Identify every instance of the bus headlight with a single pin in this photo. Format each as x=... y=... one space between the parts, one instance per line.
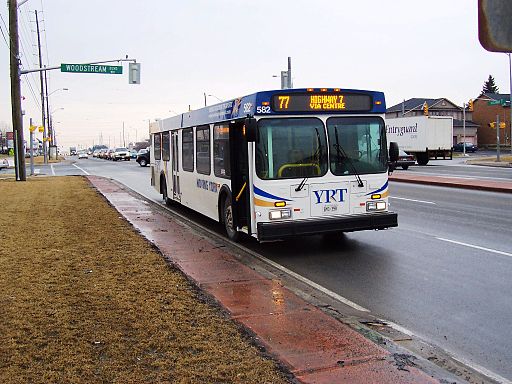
x=376 y=206
x=280 y=214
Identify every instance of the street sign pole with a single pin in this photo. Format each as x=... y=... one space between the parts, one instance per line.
x=498 y=138
x=31 y=148
x=510 y=100
x=464 y=129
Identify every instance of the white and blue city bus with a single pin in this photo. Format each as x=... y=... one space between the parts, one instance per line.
x=279 y=163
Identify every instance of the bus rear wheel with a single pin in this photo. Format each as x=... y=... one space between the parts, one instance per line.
x=231 y=231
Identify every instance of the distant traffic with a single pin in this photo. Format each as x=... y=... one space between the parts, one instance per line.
x=115 y=154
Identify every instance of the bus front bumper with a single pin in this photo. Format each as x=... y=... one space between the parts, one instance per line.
x=279 y=230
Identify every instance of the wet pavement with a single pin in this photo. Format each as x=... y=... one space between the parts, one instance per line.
x=314 y=346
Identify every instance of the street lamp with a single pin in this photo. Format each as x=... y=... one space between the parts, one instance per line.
x=59 y=89
x=51 y=134
x=55 y=110
x=50 y=121
x=216 y=98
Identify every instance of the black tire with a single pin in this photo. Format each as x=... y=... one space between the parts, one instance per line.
x=405 y=167
x=143 y=162
x=422 y=158
x=227 y=216
x=334 y=237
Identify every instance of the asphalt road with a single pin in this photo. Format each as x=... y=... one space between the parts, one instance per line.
x=444 y=273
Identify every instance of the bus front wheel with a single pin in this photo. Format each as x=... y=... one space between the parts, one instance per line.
x=231 y=231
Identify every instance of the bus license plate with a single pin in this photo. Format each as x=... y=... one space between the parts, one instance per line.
x=330 y=208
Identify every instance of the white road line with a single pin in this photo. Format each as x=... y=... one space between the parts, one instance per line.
x=415 y=201
x=475 y=246
x=312 y=284
x=53 y=170
x=483 y=371
x=83 y=170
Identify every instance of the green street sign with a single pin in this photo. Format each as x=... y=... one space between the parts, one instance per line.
x=494 y=102
x=92 y=68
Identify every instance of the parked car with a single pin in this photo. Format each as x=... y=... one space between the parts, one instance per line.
x=83 y=155
x=133 y=154
x=121 y=154
x=405 y=160
x=143 y=157
x=470 y=147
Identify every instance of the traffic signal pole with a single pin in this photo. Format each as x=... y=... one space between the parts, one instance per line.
x=464 y=129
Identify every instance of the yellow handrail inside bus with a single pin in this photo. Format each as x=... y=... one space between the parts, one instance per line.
x=285 y=167
x=241 y=191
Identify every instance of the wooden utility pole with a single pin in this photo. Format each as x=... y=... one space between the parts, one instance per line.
x=17 y=119
x=43 y=110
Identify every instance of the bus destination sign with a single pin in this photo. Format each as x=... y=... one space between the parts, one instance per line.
x=309 y=102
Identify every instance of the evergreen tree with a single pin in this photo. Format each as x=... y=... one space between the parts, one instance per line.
x=490 y=86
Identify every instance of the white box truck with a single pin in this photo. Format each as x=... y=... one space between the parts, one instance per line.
x=425 y=137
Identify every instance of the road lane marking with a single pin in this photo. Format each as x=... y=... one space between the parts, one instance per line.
x=413 y=200
x=475 y=246
x=53 y=170
x=83 y=170
x=482 y=370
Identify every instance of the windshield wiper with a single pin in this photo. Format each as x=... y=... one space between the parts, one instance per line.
x=301 y=185
x=341 y=151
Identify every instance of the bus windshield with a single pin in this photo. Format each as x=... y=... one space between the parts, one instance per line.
x=357 y=145
x=291 y=148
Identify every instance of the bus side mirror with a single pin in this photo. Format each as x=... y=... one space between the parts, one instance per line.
x=393 y=152
x=250 y=129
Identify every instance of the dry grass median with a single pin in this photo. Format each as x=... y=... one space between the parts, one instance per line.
x=85 y=299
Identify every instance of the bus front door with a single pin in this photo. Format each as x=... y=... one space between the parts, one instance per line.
x=176 y=195
x=240 y=187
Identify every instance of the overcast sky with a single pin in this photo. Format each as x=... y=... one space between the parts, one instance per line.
x=228 y=48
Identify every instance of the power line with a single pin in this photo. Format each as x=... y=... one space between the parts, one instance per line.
x=7 y=29
x=5 y=39
x=27 y=36
x=31 y=89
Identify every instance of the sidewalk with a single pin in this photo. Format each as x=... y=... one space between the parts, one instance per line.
x=314 y=346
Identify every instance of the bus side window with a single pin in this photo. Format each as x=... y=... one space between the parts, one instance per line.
x=187 y=149
x=166 y=146
x=157 y=138
x=203 y=149
x=221 y=157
